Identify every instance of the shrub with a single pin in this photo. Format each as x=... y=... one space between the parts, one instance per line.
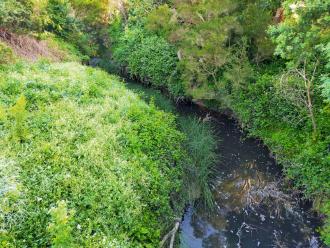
x=69 y=27
x=201 y=146
x=15 y=14
x=326 y=229
x=19 y=114
x=60 y=21
x=60 y=227
x=149 y=58
x=6 y=54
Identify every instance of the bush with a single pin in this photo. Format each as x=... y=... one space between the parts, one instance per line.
x=201 y=146
x=69 y=27
x=15 y=14
x=93 y=147
x=60 y=227
x=60 y=21
x=149 y=58
x=6 y=54
x=326 y=229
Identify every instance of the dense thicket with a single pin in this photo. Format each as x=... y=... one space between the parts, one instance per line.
x=267 y=61
x=81 y=22
x=84 y=162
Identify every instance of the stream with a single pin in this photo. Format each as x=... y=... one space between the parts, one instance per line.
x=252 y=207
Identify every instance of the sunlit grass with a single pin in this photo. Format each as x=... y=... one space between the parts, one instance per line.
x=83 y=153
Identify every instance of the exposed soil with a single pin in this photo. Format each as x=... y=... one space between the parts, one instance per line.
x=30 y=48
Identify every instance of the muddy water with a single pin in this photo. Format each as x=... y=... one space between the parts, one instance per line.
x=252 y=207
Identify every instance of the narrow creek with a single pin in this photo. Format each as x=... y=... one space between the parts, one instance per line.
x=252 y=207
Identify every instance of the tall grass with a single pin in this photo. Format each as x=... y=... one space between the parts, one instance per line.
x=201 y=145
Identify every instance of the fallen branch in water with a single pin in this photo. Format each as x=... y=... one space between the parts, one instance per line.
x=239 y=232
x=170 y=234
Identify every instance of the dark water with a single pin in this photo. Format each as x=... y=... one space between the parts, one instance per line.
x=252 y=207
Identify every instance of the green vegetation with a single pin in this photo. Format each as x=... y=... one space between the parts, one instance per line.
x=85 y=162
x=267 y=61
x=6 y=54
x=200 y=145
x=150 y=58
x=68 y=51
x=80 y=22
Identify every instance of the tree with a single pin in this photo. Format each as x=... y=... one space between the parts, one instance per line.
x=92 y=11
x=297 y=85
x=202 y=32
x=300 y=39
x=255 y=19
x=60 y=21
x=15 y=15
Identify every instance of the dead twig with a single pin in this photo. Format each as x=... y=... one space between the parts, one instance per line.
x=170 y=235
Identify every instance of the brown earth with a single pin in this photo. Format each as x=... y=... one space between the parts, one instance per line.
x=30 y=48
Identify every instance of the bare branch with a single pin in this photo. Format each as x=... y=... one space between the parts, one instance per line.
x=170 y=234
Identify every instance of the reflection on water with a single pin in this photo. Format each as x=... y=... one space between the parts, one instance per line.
x=251 y=208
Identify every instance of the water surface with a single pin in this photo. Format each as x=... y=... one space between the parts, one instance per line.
x=252 y=206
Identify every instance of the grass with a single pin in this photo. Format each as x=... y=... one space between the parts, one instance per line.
x=6 y=54
x=200 y=144
x=150 y=94
x=69 y=51
x=84 y=162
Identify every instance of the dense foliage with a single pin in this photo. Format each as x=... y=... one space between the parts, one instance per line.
x=83 y=23
x=85 y=162
x=268 y=61
x=15 y=15
x=149 y=58
x=6 y=54
x=200 y=144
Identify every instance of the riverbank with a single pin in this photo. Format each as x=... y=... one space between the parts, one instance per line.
x=219 y=54
x=253 y=204
x=36 y=97
x=264 y=114
x=85 y=161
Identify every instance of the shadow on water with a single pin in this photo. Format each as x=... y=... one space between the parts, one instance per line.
x=253 y=207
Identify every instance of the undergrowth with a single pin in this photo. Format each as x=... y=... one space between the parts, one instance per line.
x=84 y=161
x=69 y=51
x=200 y=144
x=6 y=54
